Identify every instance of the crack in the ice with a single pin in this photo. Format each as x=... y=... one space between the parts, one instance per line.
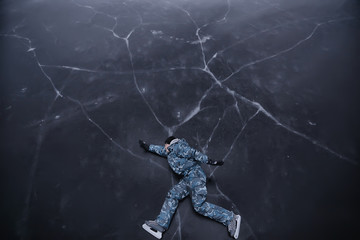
x=133 y=72
x=284 y=50
x=259 y=107
x=259 y=32
x=34 y=165
x=304 y=136
x=32 y=50
x=155 y=70
x=224 y=19
x=107 y=135
x=238 y=135
x=205 y=147
x=67 y=114
x=58 y=94
x=95 y=11
x=138 y=88
x=196 y=33
x=235 y=140
x=191 y=113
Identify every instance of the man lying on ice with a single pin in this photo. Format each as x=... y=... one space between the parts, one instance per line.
x=186 y=162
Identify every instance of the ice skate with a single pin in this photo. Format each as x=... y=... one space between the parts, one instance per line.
x=234 y=226
x=153 y=228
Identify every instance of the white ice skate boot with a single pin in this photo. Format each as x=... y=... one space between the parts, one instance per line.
x=234 y=226
x=153 y=228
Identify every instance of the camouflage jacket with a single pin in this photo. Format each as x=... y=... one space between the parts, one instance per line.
x=181 y=157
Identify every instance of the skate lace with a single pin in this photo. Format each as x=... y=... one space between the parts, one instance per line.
x=232 y=225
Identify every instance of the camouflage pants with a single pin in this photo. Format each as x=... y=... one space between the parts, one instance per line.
x=195 y=184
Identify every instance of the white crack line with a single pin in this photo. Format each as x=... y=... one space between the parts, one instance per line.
x=235 y=140
x=258 y=33
x=33 y=168
x=285 y=50
x=313 y=141
x=205 y=147
x=32 y=50
x=58 y=94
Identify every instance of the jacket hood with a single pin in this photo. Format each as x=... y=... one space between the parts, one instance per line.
x=179 y=141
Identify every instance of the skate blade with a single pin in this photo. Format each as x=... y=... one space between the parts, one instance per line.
x=238 y=222
x=152 y=231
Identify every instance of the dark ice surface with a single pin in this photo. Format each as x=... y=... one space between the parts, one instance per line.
x=269 y=86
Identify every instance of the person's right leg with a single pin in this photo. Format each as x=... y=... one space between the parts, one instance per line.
x=176 y=193
x=198 y=197
x=226 y=217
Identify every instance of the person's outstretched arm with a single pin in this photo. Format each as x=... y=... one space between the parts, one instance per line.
x=199 y=156
x=158 y=149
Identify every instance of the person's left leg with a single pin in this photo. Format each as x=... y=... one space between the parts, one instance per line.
x=198 y=197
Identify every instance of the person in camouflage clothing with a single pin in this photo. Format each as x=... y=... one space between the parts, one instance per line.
x=186 y=161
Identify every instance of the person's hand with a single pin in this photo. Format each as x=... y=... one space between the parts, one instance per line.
x=216 y=163
x=144 y=145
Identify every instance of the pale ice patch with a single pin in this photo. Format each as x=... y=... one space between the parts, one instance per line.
x=312 y=123
x=156 y=33
x=202 y=40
